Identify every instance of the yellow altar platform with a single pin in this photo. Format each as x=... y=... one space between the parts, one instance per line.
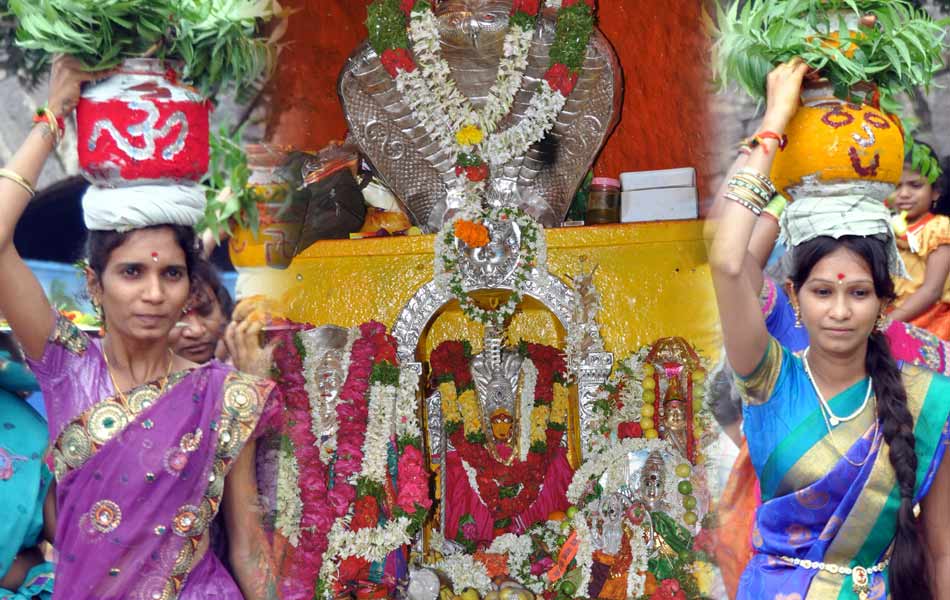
x=653 y=279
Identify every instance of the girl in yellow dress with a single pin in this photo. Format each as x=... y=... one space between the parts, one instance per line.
x=924 y=299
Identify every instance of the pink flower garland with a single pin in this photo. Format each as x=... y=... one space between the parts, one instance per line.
x=323 y=504
x=303 y=563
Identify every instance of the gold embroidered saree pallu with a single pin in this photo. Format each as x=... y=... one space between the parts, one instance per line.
x=838 y=510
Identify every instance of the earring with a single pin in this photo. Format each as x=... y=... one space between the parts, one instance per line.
x=881 y=323
x=798 y=316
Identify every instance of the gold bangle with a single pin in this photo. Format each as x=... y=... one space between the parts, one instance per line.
x=765 y=181
x=747 y=194
x=52 y=122
x=19 y=180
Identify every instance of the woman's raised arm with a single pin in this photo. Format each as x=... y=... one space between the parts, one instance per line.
x=743 y=326
x=22 y=300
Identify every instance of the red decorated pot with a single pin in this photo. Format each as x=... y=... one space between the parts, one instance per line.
x=142 y=126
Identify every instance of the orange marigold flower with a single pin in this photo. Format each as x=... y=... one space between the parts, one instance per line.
x=475 y=235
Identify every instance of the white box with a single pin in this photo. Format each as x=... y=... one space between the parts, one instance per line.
x=667 y=195
x=666 y=178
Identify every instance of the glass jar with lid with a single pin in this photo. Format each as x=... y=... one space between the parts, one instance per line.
x=603 y=204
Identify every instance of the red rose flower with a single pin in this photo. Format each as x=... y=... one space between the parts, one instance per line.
x=669 y=589
x=561 y=79
x=353 y=569
x=477 y=173
x=406 y=6
x=630 y=429
x=385 y=351
x=398 y=59
x=529 y=7
x=366 y=513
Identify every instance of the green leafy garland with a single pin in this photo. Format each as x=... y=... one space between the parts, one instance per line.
x=218 y=41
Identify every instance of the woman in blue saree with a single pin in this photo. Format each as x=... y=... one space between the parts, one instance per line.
x=25 y=482
x=845 y=442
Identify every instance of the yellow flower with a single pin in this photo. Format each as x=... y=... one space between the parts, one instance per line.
x=468 y=404
x=470 y=135
x=559 y=406
x=705 y=577
x=450 y=407
x=539 y=423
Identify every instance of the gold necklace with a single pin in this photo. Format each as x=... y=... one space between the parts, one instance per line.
x=115 y=384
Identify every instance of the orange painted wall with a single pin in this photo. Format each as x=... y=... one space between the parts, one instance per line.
x=661 y=45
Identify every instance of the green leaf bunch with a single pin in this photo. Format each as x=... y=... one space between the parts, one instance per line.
x=228 y=169
x=900 y=52
x=386 y=24
x=575 y=24
x=922 y=160
x=218 y=41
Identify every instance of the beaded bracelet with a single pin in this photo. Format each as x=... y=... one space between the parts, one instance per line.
x=745 y=203
x=752 y=185
x=765 y=181
x=755 y=197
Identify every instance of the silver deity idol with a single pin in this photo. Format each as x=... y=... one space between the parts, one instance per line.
x=544 y=179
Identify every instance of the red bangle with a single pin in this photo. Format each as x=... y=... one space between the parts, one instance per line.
x=771 y=135
x=42 y=116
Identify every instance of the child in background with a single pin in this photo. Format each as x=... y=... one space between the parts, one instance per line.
x=924 y=299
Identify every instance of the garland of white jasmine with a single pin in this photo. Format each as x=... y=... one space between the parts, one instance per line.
x=426 y=45
x=612 y=461
x=390 y=409
x=448 y=117
x=448 y=272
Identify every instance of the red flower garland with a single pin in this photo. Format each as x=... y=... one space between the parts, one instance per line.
x=323 y=503
x=450 y=361
x=303 y=563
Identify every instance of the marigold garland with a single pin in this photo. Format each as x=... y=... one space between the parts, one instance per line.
x=475 y=235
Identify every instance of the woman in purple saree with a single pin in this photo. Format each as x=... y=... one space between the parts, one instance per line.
x=147 y=446
x=845 y=442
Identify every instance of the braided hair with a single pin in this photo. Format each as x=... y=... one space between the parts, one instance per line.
x=907 y=579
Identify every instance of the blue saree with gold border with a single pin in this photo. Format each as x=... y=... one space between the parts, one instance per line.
x=828 y=496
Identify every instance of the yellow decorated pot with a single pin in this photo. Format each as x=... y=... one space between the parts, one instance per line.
x=839 y=147
x=279 y=225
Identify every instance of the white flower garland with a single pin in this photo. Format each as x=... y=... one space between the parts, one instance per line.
x=539 y=118
x=472 y=480
x=378 y=433
x=319 y=426
x=448 y=274
x=407 y=419
x=442 y=110
x=389 y=406
x=612 y=462
x=426 y=42
x=518 y=548
x=289 y=504
x=585 y=551
x=369 y=544
x=529 y=383
x=465 y=572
